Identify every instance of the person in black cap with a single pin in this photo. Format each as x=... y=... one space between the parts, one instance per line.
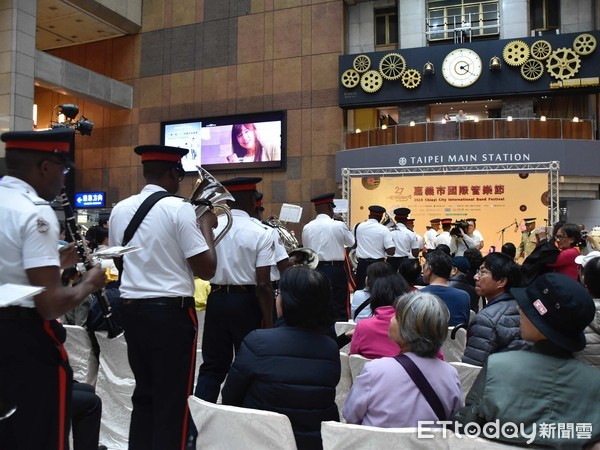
x=545 y=385
x=329 y=238
x=373 y=242
x=241 y=297
x=405 y=241
x=157 y=288
x=32 y=353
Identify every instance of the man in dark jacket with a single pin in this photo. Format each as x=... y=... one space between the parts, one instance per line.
x=496 y=327
x=458 y=279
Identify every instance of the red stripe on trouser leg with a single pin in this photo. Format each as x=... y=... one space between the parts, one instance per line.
x=192 y=372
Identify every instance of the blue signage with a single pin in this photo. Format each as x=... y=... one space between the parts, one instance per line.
x=90 y=199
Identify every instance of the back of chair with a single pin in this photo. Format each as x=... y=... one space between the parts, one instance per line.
x=467 y=373
x=357 y=362
x=222 y=427
x=82 y=358
x=338 y=436
x=453 y=349
x=343 y=387
x=115 y=387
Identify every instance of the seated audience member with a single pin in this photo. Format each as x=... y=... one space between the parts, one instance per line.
x=443 y=248
x=545 y=385
x=567 y=238
x=496 y=327
x=384 y=395
x=589 y=274
x=360 y=308
x=436 y=273
x=544 y=253
x=474 y=257
x=86 y=412
x=370 y=337
x=293 y=368
x=410 y=269
x=458 y=280
x=509 y=249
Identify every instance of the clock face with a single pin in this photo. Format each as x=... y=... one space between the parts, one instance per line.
x=461 y=67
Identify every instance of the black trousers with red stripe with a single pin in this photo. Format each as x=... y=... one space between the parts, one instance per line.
x=36 y=377
x=161 y=347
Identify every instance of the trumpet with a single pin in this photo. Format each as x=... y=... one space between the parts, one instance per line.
x=208 y=195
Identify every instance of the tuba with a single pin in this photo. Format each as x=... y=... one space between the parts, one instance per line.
x=208 y=194
x=388 y=222
x=303 y=256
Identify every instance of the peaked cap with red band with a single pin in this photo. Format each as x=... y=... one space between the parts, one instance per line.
x=401 y=213
x=446 y=221
x=241 y=184
x=376 y=210
x=323 y=199
x=55 y=141
x=160 y=153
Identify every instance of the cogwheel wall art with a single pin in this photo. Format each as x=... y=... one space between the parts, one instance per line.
x=584 y=44
x=563 y=63
x=411 y=78
x=532 y=70
x=516 y=53
x=392 y=66
x=361 y=63
x=350 y=78
x=371 y=81
x=540 y=50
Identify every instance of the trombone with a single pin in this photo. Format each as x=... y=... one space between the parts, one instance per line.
x=209 y=195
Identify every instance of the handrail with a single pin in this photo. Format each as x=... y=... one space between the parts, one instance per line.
x=499 y=128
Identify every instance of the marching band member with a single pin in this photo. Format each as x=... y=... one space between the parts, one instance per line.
x=35 y=375
x=329 y=238
x=431 y=234
x=157 y=287
x=404 y=240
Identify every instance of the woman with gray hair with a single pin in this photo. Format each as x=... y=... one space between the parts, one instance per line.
x=415 y=385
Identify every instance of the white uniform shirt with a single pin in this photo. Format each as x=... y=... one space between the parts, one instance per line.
x=28 y=234
x=419 y=243
x=478 y=234
x=168 y=236
x=430 y=237
x=327 y=237
x=443 y=238
x=280 y=253
x=372 y=238
x=404 y=241
x=246 y=246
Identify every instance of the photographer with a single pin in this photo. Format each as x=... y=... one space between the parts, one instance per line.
x=460 y=240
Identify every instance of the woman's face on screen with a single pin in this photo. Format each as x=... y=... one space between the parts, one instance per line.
x=246 y=138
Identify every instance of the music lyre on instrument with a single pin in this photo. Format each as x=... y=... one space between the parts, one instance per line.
x=208 y=194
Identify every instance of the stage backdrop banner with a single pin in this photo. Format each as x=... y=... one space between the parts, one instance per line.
x=497 y=201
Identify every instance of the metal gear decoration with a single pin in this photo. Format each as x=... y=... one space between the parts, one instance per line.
x=350 y=78
x=411 y=79
x=361 y=63
x=515 y=53
x=392 y=66
x=541 y=49
x=584 y=44
x=532 y=70
x=563 y=63
x=371 y=81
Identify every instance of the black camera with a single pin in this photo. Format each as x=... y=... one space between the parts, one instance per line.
x=458 y=226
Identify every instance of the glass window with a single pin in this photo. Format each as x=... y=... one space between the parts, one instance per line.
x=386 y=26
x=545 y=15
x=445 y=18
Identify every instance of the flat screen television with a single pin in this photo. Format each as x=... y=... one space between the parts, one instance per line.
x=240 y=142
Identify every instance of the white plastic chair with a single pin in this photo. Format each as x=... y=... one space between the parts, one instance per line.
x=467 y=373
x=357 y=362
x=343 y=387
x=81 y=356
x=222 y=427
x=337 y=436
x=115 y=387
x=454 y=348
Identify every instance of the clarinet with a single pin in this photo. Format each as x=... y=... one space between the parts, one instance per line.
x=73 y=230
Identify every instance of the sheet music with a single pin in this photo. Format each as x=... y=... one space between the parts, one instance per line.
x=341 y=205
x=12 y=293
x=290 y=213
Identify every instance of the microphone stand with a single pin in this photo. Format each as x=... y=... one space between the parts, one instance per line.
x=501 y=232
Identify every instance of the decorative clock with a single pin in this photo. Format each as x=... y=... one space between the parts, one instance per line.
x=461 y=67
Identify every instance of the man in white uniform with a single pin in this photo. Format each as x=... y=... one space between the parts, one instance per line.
x=241 y=297
x=157 y=287
x=431 y=234
x=410 y=224
x=373 y=242
x=35 y=375
x=329 y=238
x=405 y=241
x=444 y=237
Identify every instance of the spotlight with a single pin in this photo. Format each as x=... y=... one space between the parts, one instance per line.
x=84 y=126
x=495 y=64
x=69 y=110
x=543 y=118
